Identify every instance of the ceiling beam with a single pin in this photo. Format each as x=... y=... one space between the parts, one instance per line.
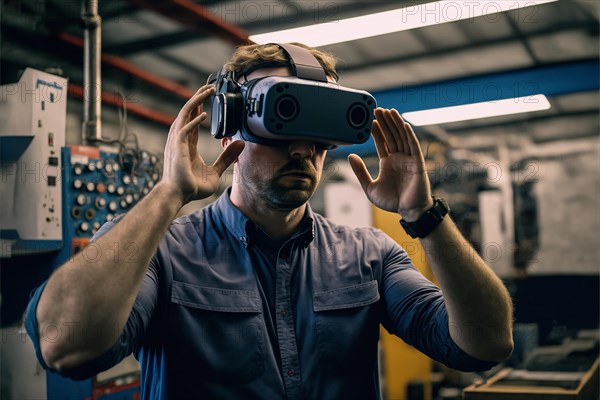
x=552 y=79
x=68 y=12
x=524 y=39
x=152 y=43
x=62 y=16
x=196 y=17
x=277 y=17
x=133 y=70
x=480 y=44
x=72 y=49
x=116 y=12
x=138 y=109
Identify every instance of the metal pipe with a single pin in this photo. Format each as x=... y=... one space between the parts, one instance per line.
x=92 y=100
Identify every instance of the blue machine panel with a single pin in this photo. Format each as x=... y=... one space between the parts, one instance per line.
x=97 y=186
x=100 y=185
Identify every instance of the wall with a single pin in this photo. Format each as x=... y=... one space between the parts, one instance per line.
x=569 y=218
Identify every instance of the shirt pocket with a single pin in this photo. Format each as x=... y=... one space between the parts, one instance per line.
x=218 y=332
x=347 y=325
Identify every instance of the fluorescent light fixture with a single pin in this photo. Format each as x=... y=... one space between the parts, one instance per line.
x=486 y=109
x=402 y=19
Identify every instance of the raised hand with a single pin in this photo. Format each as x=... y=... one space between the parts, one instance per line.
x=402 y=185
x=184 y=169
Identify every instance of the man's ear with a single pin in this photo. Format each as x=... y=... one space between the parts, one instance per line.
x=226 y=141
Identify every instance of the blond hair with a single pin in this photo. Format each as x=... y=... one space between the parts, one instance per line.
x=247 y=57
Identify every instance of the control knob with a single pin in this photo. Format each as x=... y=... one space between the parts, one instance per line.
x=100 y=202
x=80 y=199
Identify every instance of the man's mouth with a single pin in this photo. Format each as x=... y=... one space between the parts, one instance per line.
x=298 y=175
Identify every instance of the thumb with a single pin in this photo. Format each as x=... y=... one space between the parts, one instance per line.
x=360 y=170
x=228 y=156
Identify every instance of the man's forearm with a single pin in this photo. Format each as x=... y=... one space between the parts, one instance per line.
x=478 y=304
x=96 y=293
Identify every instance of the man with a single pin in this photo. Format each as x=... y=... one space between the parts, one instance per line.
x=256 y=296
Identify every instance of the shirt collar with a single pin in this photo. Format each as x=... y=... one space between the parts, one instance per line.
x=241 y=227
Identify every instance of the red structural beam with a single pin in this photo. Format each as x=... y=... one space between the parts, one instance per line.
x=196 y=17
x=126 y=66
x=132 y=108
x=184 y=11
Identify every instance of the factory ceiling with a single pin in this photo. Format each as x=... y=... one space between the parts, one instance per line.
x=163 y=50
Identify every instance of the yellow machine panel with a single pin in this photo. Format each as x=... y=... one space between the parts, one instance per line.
x=402 y=363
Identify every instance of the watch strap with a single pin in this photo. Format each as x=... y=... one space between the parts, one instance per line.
x=428 y=221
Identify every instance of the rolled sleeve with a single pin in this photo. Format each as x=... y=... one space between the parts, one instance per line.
x=31 y=324
x=84 y=371
x=450 y=353
x=415 y=311
x=130 y=338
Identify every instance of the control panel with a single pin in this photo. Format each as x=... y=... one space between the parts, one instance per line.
x=99 y=185
x=32 y=131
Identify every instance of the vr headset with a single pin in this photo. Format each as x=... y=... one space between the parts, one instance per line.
x=305 y=106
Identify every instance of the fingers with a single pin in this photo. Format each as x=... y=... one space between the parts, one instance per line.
x=395 y=134
x=401 y=126
x=228 y=156
x=185 y=115
x=193 y=105
x=394 y=130
x=412 y=141
x=191 y=127
x=196 y=100
x=382 y=150
x=360 y=170
x=387 y=130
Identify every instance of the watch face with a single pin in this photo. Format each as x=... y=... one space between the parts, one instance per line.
x=443 y=204
x=441 y=207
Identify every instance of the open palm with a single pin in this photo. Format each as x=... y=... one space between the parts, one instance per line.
x=184 y=168
x=402 y=184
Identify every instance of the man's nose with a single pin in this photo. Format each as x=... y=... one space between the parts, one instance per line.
x=301 y=149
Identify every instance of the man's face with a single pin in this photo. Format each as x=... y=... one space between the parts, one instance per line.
x=285 y=176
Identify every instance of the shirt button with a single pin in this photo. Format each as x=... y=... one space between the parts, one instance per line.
x=291 y=372
x=283 y=313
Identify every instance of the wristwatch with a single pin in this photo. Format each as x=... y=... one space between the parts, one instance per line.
x=428 y=221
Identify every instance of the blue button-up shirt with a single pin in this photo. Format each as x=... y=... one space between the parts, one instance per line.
x=225 y=313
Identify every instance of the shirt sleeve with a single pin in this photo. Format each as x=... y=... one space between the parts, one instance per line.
x=415 y=312
x=130 y=339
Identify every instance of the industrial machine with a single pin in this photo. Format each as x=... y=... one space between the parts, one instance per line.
x=32 y=132
x=54 y=199
x=100 y=184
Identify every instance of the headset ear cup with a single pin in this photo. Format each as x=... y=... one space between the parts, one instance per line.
x=226 y=114
x=217 y=115
x=232 y=113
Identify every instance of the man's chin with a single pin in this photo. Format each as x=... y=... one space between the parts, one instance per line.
x=291 y=198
